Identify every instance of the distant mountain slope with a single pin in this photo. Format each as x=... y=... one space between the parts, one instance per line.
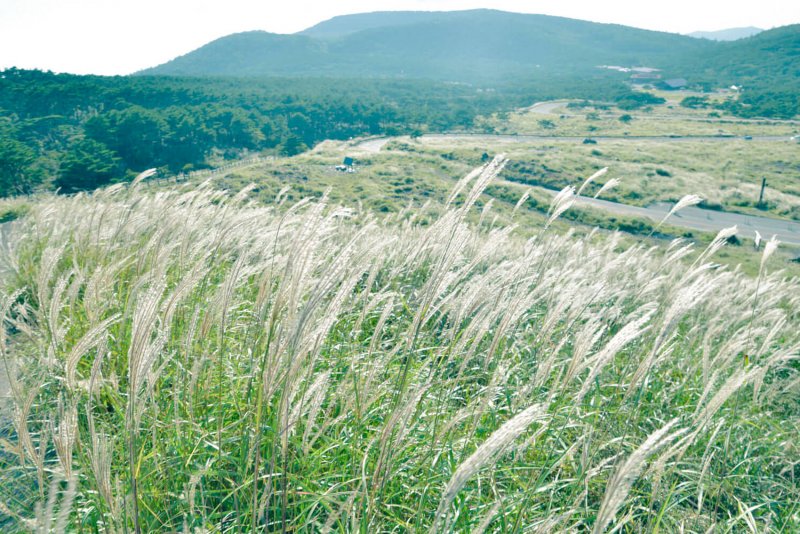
x=730 y=34
x=772 y=57
x=253 y=53
x=347 y=24
x=459 y=46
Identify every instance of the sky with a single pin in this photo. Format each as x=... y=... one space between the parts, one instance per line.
x=122 y=36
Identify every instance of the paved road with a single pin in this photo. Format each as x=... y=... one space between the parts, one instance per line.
x=546 y=108
x=373 y=145
x=376 y=145
x=656 y=138
x=787 y=232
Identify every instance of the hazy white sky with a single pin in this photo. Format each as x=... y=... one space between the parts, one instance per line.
x=122 y=36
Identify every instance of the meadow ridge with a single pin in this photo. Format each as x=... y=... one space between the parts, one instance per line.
x=190 y=359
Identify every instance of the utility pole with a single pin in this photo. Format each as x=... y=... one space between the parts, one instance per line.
x=761 y=196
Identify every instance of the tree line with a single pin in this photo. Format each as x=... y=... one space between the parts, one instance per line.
x=73 y=133
x=76 y=133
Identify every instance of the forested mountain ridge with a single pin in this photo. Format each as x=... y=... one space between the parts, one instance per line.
x=495 y=47
x=459 y=46
x=729 y=34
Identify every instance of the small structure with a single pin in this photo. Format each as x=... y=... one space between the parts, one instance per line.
x=646 y=76
x=675 y=83
x=348 y=165
x=644 y=69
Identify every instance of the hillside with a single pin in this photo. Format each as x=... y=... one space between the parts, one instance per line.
x=766 y=66
x=730 y=34
x=460 y=46
x=773 y=54
x=186 y=359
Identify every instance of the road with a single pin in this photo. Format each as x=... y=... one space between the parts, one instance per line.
x=550 y=108
x=376 y=145
x=693 y=218
x=788 y=232
x=546 y=108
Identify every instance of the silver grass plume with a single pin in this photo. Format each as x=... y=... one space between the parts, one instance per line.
x=522 y=200
x=64 y=436
x=685 y=202
x=142 y=177
x=490 y=449
x=90 y=339
x=487 y=173
x=717 y=243
x=626 y=474
x=614 y=182
x=769 y=249
x=144 y=348
x=561 y=203
x=462 y=183
x=626 y=334
x=591 y=179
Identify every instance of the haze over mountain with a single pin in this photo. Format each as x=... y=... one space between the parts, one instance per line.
x=730 y=34
x=459 y=46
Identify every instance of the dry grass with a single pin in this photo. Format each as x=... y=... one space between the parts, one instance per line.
x=186 y=359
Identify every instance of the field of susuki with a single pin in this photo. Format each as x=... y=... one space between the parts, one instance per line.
x=187 y=359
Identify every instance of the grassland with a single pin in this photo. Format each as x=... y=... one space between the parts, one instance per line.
x=670 y=118
x=195 y=359
x=412 y=173
x=283 y=346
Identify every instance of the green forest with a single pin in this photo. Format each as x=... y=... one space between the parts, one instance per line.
x=72 y=133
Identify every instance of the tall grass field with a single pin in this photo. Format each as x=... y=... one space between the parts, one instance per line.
x=192 y=361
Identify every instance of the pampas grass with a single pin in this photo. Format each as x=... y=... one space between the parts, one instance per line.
x=494 y=446
x=189 y=360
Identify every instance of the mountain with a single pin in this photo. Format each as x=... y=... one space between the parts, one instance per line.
x=255 y=53
x=456 y=46
x=771 y=57
x=730 y=34
x=347 y=24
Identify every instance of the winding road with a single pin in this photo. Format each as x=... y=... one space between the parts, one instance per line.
x=788 y=232
x=376 y=145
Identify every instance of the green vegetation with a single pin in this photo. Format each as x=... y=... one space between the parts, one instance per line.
x=192 y=360
x=273 y=344
x=496 y=48
x=84 y=131
x=656 y=154
x=476 y=46
x=80 y=132
x=765 y=66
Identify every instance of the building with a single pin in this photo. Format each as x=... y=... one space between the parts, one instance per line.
x=675 y=83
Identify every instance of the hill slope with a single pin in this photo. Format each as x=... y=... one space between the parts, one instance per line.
x=730 y=34
x=460 y=45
